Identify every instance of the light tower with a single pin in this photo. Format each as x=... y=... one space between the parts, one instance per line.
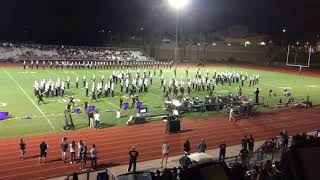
x=177 y=4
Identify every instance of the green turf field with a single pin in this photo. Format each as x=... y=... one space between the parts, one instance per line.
x=17 y=97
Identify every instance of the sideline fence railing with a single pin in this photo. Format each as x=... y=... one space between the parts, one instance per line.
x=262 y=153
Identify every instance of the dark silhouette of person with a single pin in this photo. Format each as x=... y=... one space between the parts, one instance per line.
x=133 y=159
x=222 y=152
x=186 y=147
x=257 y=95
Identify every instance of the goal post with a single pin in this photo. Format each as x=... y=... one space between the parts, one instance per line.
x=298 y=57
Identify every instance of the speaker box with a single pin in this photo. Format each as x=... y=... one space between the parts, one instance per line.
x=139 y=120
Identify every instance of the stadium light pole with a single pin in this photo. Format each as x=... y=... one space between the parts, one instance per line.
x=177 y=4
x=283 y=37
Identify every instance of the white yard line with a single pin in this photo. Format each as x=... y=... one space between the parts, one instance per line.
x=35 y=116
x=112 y=104
x=25 y=93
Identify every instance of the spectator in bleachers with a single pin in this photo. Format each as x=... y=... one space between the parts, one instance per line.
x=250 y=144
x=174 y=173
x=185 y=161
x=202 y=146
x=237 y=172
x=265 y=172
x=244 y=142
x=244 y=157
x=166 y=174
x=157 y=175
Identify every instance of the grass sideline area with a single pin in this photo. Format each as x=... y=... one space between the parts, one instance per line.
x=17 y=96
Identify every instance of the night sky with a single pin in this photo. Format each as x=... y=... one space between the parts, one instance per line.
x=63 y=21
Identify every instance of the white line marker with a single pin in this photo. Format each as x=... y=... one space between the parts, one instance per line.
x=313 y=86
x=25 y=93
x=285 y=87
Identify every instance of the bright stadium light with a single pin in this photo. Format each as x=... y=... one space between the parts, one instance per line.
x=178 y=4
x=247 y=43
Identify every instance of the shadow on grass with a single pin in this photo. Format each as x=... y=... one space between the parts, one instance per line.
x=80 y=126
x=105 y=125
x=10 y=116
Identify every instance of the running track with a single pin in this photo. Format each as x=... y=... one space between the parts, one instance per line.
x=114 y=143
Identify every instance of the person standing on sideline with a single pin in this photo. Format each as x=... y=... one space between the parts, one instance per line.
x=64 y=148
x=72 y=152
x=257 y=95
x=223 y=150
x=82 y=156
x=250 y=144
x=43 y=152
x=93 y=153
x=22 y=145
x=202 y=146
x=186 y=147
x=91 y=119
x=96 y=120
x=80 y=144
x=165 y=153
x=231 y=114
x=244 y=142
x=133 y=159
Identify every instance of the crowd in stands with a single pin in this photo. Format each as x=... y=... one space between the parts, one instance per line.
x=47 y=52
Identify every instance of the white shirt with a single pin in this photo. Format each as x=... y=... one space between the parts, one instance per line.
x=231 y=112
x=72 y=149
x=97 y=117
x=165 y=149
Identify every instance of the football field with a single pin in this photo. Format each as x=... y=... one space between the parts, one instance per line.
x=28 y=118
